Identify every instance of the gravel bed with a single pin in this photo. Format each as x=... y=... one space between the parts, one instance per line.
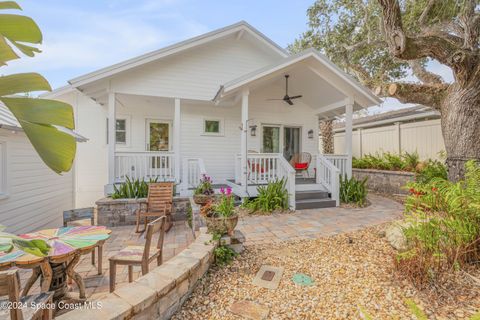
x=352 y=272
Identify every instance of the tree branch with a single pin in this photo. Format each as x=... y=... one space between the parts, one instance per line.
x=461 y=60
x=423 y=17
x=470 y=23
x=430 y=95
x=423 y=74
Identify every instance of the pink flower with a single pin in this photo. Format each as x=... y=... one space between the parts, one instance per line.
x=222 y=191
x=229 y=191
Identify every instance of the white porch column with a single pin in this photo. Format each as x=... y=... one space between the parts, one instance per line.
x=348 y=136
x=177 y=139
x=111 y=137
x=243 y=144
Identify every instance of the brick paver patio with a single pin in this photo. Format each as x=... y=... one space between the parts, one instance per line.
x=314 y=223
x=176 y=239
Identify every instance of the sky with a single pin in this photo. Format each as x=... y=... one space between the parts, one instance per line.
x=82 y=36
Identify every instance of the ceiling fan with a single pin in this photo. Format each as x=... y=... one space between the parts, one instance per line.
x=287 y=98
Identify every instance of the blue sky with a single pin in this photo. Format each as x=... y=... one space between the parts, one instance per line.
x=82 y=36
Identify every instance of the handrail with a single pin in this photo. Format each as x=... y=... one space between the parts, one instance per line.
x=289 y=174
x=120 y=153
x=144 y=165
x=338 y=160
x=329 y=176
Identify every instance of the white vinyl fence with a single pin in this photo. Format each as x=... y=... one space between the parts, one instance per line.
x=425 y=137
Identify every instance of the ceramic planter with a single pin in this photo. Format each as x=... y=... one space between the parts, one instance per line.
x=201 y=199
x=221 y=225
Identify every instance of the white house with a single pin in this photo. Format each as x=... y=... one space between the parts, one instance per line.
x=212 y=104
x=32 y=196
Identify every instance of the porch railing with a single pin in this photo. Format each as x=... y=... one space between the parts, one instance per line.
x=144 y=165
x=329 y=176
x=193 y=169
x=339 y=161
x=265 y=167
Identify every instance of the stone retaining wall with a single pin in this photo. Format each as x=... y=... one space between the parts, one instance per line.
x=158 y=294
x=383 y=181
x=121 y=212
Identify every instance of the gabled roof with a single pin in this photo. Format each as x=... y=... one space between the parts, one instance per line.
x=291 y=60
x=241 y=26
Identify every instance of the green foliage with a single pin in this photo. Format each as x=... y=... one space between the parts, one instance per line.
x=350 y=34
x=444 y=227
x=410 y=160
x=205 y=186
x=224 y=255
x=132 y=189
x=353 y=191
x=190 y=216
x=225 y=205
x=433 y=169
x=271 y=197
x=39 y=118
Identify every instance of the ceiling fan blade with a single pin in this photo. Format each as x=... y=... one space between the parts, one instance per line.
x=289 y=101
x=296 y=97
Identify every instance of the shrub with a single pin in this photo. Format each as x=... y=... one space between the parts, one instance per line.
x=444 y=227
x=432 y=169
x=132 y=189
x=225 y=205
x=353 y=191
x=224 y=255
x=411 y=160
x=271 y=197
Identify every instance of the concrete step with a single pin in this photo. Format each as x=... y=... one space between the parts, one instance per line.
x=311 y=194
x=314 y=203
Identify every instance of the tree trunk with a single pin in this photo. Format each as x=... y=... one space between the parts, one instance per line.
x=461 y=126
x=326 y=131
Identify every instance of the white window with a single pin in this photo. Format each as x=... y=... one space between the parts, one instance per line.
x=3 y=169
x=213 y=127
x=121 y=131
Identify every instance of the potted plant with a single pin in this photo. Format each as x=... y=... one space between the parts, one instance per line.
x=220 y=216
x=203 y=192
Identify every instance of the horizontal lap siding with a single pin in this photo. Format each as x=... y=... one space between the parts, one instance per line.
x=36 y=195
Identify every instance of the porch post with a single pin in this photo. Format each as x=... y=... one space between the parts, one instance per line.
x=111 y=137
x=177 y=139
x=348 y=136
x=243 y=144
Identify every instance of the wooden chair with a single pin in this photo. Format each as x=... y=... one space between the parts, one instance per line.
x=140 y=255
x=84 y=217
x=301 y=162
x=159 y=204
x=10 y=286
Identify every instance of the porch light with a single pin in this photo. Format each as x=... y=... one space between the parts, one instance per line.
x=253 y=130
x=310 y=134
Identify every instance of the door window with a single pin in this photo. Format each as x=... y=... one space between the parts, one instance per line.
x=159 y=136
x=271 y=139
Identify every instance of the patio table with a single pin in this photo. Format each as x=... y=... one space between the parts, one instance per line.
x=67 y=244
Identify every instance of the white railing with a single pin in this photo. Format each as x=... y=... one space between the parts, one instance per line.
x=265 y=167
x=193 y=169
x=339 y=161
x=329 y=176
x=144 y=165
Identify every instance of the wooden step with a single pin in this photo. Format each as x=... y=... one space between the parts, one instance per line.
x=314 y=203
x=311 y=194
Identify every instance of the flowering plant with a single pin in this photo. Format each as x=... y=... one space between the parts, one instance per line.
x=225 y=206
x=205 y=186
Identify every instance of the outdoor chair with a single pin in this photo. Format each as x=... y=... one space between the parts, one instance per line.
x=140 y=255
x=301 y=162
x=159 y=204
x=84 y=217
x=10 y=286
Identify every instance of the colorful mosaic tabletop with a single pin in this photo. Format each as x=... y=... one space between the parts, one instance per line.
x=66 y=240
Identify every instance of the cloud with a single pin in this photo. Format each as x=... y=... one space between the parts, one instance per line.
x=79 y=40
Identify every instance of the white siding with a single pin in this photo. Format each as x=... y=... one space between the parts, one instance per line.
x=197 y=73
x=425 y=137
x=36 y=195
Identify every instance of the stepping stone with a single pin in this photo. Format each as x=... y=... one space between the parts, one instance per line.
x=302 y=279
x=249 y=310
x=268 y=277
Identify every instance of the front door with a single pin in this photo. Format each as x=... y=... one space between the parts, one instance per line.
x=158 y=135
x=291 y=142
x=271 y=139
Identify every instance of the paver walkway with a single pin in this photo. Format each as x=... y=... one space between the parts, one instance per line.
x=314 y=223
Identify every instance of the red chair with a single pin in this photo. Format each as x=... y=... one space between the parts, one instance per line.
x=301 y=162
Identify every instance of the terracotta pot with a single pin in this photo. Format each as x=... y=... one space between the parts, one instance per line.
x=201 y=199
x=221 y=225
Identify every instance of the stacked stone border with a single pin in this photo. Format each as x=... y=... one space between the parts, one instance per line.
x=158 y=294
x=383 y=181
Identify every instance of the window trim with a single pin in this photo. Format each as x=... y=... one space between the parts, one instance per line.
x=4 y=169
x=221 y=127
x=126 y=143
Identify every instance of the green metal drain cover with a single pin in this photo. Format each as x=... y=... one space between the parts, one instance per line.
x=302 y=279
